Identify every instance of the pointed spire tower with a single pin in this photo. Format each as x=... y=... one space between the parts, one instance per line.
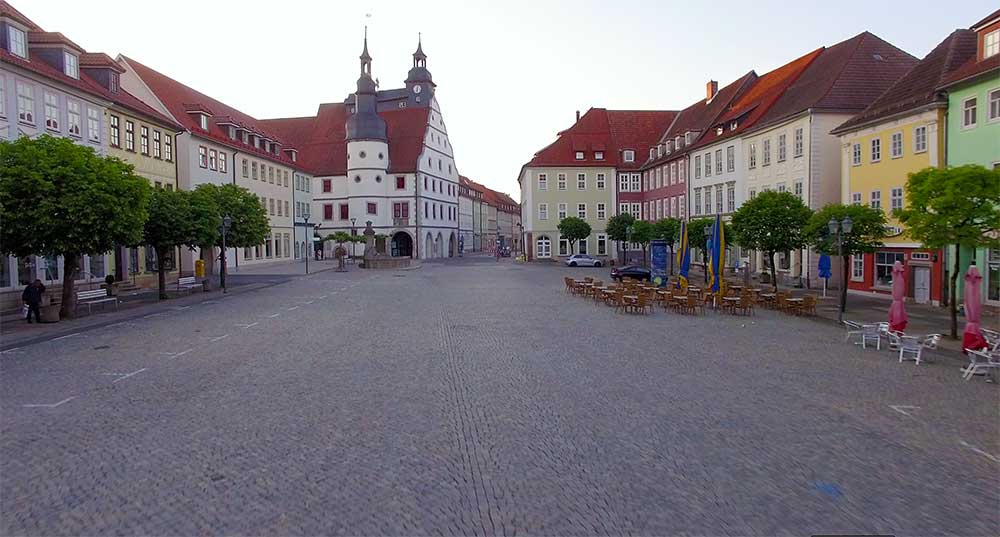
x=365 y=122
x=419 y=80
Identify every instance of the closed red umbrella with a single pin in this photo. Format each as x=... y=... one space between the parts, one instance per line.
x=973 y=338
x=897 y=312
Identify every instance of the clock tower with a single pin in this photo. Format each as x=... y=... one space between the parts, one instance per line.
x=419 y=84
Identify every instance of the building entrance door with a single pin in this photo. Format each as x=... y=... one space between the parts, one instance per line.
x=921 y=285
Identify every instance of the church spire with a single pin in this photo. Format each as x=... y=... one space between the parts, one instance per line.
x=366 y=59
x=419 y=58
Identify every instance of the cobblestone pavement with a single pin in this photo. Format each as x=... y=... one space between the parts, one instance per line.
x=476 y=398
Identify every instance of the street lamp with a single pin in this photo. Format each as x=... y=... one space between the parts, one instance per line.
x=628 y=235
x=708 y=248
x=840 y=229
x=354 y=233
x=308 y=238
x=227 y=222
x=520 y=230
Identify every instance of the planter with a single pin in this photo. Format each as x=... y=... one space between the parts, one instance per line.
x=50 y=314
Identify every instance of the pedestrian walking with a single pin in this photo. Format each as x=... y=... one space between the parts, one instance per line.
x=32 y=298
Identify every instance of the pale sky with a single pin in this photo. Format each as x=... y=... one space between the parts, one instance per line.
x=510 y=74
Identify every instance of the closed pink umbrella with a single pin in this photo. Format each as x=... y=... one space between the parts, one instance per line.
x=897 y=312
x=973 y=338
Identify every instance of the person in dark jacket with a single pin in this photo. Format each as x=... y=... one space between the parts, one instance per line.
x=32 y=296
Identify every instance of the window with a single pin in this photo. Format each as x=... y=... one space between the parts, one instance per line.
x=856 y=154
x=674 y=176
x=222 y=162
x=753 y=156
x=3 y=113
x=681 y=167
x=896 y=145
x=697 y=201
x=561 y=181
x=327 y=185
x=602 y=211
x=345 y=211
x=731 y=158
x=798 y=188
x=883 y=267
x=563 y=246
x=400 y=182
x=599 y=155
x=115 y=132
x=876 y=150
x=25 y=103
x=623 y=208
x=636 y=210
x=581 y=181
x=919 y=139
x=767 y=153
x=372 y=208
x=271 y=206
x=781 y=187
x=279 y=209
x=561 y=211
x=697 y=167
x=401 y=209
x=582 y=246
x=969 y=113
x=731 y=197
x=213 y=157
x=253 y=170
x=991 y=44
x=896 y=198
x=543 y=247
x=752 y=194
x=94 y=124
x=681 y=207
x=718 y=199
x=285 y=182
x=203 y=156
x=718 y=162
x=543 y=182
x=636 y=186
x=17 y=42
x=129 y=132
x=581 y=210
x=270 y=174
x=858 y=268
x=781 y=148
x=51 y=111
x=708 y=164
x=246 y=169
x=203 y=121
x=708 y=200
x=628 y=155
x=602 y=244
x=71 y=65
x=856 y=198
x=157 y=145
x=623 y=184
x=543 y=211
x=798 y=142
x=601 y=181
x=144 y=143
x=579 y=155
x=168 y=147
x=993 y=96
x=876 y=199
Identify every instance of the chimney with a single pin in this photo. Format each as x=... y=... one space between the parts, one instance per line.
x=578 y=115
x=710 y=90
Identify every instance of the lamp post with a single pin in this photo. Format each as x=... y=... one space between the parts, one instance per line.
x=628 y=235
x=520 y=231
x=227 y=221
x=354 y=232
x=308 y=238
x=840 y=229
x=708 y=247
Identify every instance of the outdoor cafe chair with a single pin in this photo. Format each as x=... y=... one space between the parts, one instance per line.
x=569 y=284
x=853 y=329
x=980 y=361
x=871 y=333
x=894 y=338
x=910 y=348
x=809 y=305
x=747 y=304
x=992 y=338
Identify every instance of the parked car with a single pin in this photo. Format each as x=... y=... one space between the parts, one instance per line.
x=631 y=271
x=583 y=260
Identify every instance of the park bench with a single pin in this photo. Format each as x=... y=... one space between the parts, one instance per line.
x=188 y=284
x=95 y=296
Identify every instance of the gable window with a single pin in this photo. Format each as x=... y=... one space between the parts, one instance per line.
x=144 y=143
x=969 y=113
x=202 y=156
x=51 y=111
x=115 y=131
x=579 y=155
x=628 y=155
x=991 y=44
x=157 y=145
x=896 y=198
x=94 y=124
x=599 y=155
x=561 y=181
x=372 y=208
x=581 y=181
x=212 y=158
x=543 y=182
x=896 y=145
x=798 y=142
x=782 y=151
x=731 y=158
x=129 y=132
x=876 y=150
x=697 y=167
x=71 y=65
x=753 y=156
x=718 y=162
x=919 y=139
x=601 y=181
x=767 y=152
x=994 y=99
x=17 y=42
x=25 y=103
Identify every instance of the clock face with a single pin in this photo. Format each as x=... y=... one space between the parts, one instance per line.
x=417 y=88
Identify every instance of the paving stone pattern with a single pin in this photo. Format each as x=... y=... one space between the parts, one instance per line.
x=477 y=398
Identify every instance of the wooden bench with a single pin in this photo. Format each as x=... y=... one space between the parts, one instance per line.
x=96 y=296
x=188 y=284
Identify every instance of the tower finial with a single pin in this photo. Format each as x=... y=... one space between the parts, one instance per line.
x=419 y=58
x=366 y=59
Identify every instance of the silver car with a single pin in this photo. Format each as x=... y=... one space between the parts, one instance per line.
x=583 y=260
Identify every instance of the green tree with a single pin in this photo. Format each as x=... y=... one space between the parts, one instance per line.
x=173 y=222
x=668 y=229
x=60 y=198
x=772 y=222
x=617 y=230
x=642 y=233
x=249 y=225
x=573 y=229
x=867 y=232
x=953 y=206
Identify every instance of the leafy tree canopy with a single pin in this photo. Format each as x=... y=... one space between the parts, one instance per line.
x=618 y=226
x=667 y=229
x=771 y=222
x=249 y=220
x=868 y=227
x=574 y=229
x=642 y=232
x=959 y=205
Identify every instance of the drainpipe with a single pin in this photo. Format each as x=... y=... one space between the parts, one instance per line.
x=416 y=209
x=236 y=258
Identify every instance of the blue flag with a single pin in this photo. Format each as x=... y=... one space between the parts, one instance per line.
x=717 y=261
x=683 y=258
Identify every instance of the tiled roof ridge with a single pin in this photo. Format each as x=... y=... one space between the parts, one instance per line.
x=858 y=40
x=952 y=50
x=13 y=13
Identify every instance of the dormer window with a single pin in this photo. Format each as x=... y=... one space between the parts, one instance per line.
x=719 y=131
x=991 y=44
x=598 y=155
x=677 y=141
x=687 y=138
x=113 y=83
x=17 y=41
x=71 y=65
x=652 y=153
x=203 y=121
x=579 y=155
x=246 y=137
x=733 y=125
x=628 y=155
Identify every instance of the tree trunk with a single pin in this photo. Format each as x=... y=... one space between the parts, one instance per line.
x=208 y=256
x=774 y=276
x=70 y=267
x=222 y=268
x=954 y=293
x=161 y=272
x=843 y=283
x=671 y=259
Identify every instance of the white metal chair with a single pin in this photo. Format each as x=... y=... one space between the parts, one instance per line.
x=979 y=361
x=853 y=329
x=893 y=337
x=910 y=348
x=931 y=341
x=871 y=333
x=992 y=338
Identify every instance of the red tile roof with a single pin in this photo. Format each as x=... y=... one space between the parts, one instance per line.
x=470 y=184
x=970 y=70
x=492 y=197
x=7 y=10
x=756 y=101
x=918 y=87
x=177 y=97
x=99 y=59
x=988 y=19
x=53 y=38
x=322 y=139
x=610 y=131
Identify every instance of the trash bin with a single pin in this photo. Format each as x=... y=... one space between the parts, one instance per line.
x=199 y=268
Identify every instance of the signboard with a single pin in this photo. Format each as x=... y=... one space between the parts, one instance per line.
x=658 y=255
